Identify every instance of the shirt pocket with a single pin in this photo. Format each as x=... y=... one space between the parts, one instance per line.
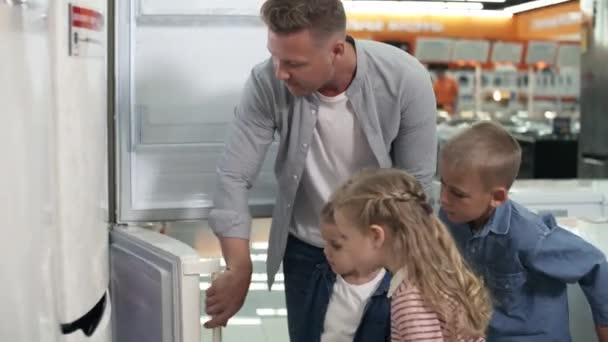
x=505 y=288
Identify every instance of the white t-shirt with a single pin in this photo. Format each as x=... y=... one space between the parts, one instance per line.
x=346 y=307
x=338 y=149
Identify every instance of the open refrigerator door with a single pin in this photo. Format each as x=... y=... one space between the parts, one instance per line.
x=155 y=286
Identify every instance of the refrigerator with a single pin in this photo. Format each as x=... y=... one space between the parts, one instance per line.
x=87 y=164
x=176 y=72
x=55 y=275
x=593 y=141
x=29 y=306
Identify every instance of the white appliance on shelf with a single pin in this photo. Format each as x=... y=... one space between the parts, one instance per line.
x=601 y=186
x=466 y=87
x=563 y=198
x=434 y=50
x=582 y=327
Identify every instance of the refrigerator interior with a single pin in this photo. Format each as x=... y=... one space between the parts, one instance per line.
x=180 y=68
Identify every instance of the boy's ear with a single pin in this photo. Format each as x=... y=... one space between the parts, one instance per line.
x=499 y=196
x=378 y=235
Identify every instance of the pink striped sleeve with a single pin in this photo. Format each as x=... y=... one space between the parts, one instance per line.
x=411 y=319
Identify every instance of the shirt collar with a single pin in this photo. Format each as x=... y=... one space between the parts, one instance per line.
x=398 y=278
x=361 y=70
x=384 y=284
x=500 y=222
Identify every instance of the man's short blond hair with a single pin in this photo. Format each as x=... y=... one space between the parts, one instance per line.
x=323 y=17
x=487 y=149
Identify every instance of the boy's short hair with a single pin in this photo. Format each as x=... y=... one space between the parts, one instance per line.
x=486 y=148
x=327 y=213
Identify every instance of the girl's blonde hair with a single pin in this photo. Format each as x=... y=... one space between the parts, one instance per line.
x=396 y=201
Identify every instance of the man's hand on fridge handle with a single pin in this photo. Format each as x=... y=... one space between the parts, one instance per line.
x=228 y=291
x=602 y=333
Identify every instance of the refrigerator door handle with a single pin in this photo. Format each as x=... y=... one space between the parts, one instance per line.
x=201 y=266
x=595 y=159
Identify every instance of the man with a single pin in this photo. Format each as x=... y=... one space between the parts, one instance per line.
x=339 y=105
x=446 y=91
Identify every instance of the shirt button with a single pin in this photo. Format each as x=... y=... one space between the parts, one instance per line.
x=295 y=177
x=288 y=205
x=314 y=111
x=472 y=249
x=305 y=145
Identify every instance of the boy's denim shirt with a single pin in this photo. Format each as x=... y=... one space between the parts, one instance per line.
x=375 y=324
x=527 y=261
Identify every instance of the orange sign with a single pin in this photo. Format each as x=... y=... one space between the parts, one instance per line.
x=559 y=22
x=385 y=27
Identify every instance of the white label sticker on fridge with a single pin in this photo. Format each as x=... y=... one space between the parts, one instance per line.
x=87 y=34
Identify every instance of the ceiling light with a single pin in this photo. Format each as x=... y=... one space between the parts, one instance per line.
x=397 y=7
x=468 y=8
x=466 y=5
x=497 y=96
x=532 y=5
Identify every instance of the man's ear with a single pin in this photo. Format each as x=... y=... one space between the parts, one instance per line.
x=377 y=235
x=339 y=48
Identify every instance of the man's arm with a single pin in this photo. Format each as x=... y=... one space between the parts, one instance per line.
x=415 y=148
x=230 y=218
x=602 y=333
x=250 y=136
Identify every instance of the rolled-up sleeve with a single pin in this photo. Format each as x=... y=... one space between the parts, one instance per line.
x=250 y=136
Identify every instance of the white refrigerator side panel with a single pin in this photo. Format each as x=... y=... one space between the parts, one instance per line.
x=80 y=84
x=28 y=310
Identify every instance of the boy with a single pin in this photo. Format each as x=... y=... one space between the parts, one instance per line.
x=354 y=302
x=525 y=259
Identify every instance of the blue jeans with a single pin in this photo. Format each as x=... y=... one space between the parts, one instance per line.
x=309 y=282
x=302 y=266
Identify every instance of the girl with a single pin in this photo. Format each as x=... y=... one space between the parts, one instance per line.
x=383 y=217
